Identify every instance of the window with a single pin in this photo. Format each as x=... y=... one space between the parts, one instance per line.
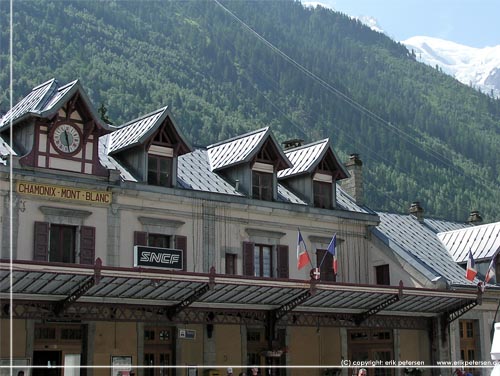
x=259 y=260
x=230 y=263
x=262 y=261
x=262 y=185
x=322 y=194
x=469 y=340
x=159 y=170
x=162 y=241
x=158 y=351
x=325 y=260
x=63 y=243
x=159 y=240
x=382 y=275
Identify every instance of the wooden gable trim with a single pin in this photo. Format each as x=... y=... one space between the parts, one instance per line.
x=269 y=154
x=329 y=166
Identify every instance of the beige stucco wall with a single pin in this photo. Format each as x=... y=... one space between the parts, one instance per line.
x=113 y=338
x=228 y=341
x=310 y=347
x=190 y=351
x=414 y=345
x=18 y=339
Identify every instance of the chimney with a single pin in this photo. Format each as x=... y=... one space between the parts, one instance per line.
x=475 y=218
x=417 y=211
x=354 y=184
x=294 y=143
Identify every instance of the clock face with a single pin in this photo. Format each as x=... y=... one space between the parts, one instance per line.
x=66 y=138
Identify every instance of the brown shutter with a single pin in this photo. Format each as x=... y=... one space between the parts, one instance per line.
x=282 y=261
x=41 y=244
x=181 y=243
x=248 y=268
x=87 y=245
x=140 y=238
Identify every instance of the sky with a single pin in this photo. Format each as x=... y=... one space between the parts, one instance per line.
x=474 y=23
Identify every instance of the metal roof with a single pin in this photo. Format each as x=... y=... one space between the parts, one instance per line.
x=235 y=150
x=46 y=282
x=135 y=131
x=305 y=158
x=241 y=149
x=418 y=241
x=483 y=241
x=45 y=100
x=32 y=103
x=194 y=173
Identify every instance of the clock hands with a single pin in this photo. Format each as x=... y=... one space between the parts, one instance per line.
x=67 y=138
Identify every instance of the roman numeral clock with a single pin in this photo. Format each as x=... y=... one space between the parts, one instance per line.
x=66 y=138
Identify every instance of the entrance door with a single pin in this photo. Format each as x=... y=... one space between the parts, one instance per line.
x=47 y=358
x=371 y=346
x=158 y=350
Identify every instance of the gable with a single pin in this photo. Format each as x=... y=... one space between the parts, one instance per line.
x=59 y=130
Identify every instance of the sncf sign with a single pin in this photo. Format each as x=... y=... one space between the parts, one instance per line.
x=153 y=257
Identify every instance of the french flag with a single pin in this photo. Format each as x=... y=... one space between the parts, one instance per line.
x=471 y=271
x=332 y=249
x=302 y=255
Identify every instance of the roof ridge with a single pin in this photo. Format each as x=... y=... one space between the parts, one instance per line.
x=311 y=144
x=266 y=129
x=123 y=126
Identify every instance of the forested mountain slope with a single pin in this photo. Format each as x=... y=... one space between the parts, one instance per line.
x=225 y=68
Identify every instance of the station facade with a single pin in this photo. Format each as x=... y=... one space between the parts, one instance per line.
x=125 y=247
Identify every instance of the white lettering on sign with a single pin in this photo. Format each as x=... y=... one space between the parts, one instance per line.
x=162 y=258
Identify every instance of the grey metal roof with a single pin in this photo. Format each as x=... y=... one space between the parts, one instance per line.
x=241 y=149
x=235 y=150
x=111 y=163
x=305 y=158
x=483 y=241
x=408 y=237
x=346 y=202
x=135 y=131
x=5 y=150
x=34 y=102
x=44 y=282
x=45 y=100
x=194 y=173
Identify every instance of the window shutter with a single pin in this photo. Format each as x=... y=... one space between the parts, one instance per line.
x=248 y=268
x=282 y=261
x=181 y=243
x=87 y=245
x=41 y=245
x=140 y=238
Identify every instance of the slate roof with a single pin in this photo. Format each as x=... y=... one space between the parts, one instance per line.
x=240 y=149
x=483 y=241
x=419 y=243
x=305 y=158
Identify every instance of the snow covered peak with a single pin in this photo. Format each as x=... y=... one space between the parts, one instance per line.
x=477 y=67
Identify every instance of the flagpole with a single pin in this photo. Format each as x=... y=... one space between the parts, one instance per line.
x=323 y=259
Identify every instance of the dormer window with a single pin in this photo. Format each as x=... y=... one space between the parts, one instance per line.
x=322 y=187
x=262 y=181
x=160 y=160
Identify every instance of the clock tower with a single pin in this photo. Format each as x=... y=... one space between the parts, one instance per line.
x=66 y=135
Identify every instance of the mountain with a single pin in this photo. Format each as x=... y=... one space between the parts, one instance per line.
x=476 y=67
x=226 y=67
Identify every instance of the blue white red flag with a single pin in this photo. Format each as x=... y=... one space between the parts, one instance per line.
x=471 y=271
x=302 y=255
x=491 y=272
x=332 y=248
